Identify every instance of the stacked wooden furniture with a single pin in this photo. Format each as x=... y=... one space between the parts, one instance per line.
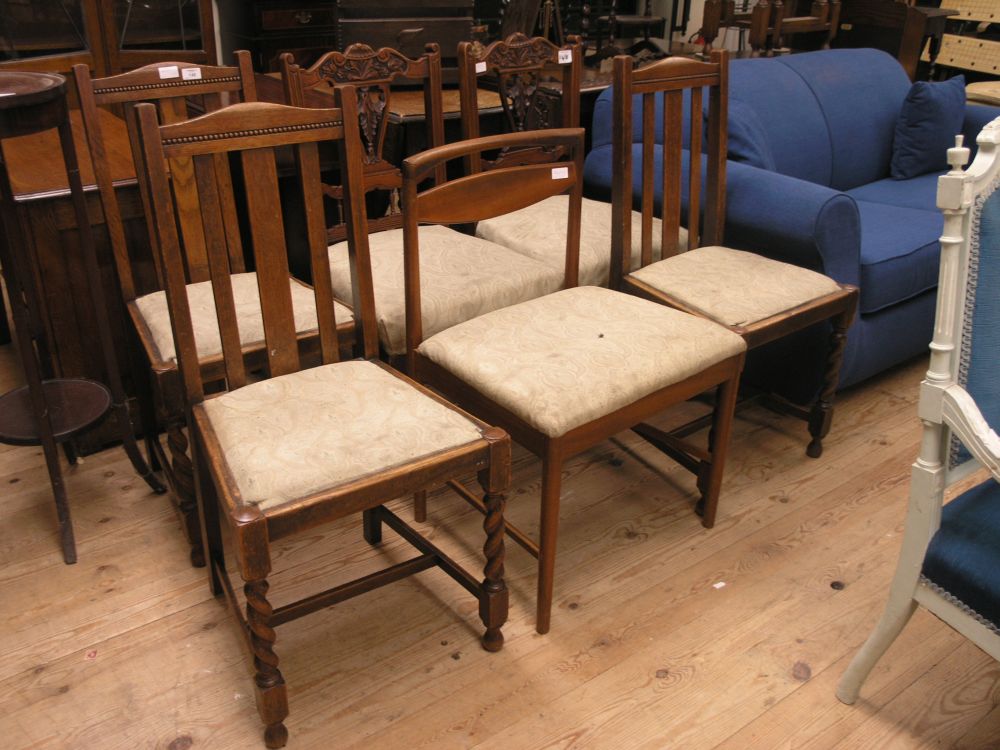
x=771 y=24
x=965 y=50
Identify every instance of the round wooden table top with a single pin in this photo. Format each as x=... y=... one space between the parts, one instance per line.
x=22 y=89
x=74 y=405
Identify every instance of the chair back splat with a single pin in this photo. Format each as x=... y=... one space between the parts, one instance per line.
x=949 y=558
x=311 y=439
x=517 y=67
x=374 y=74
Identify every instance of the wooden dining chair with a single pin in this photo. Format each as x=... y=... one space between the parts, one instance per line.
x=178 y=89
x=297 y=446
x=521 y=67
x=463 y=276
x=949 y=557
x=567 y=370
x=769 y=24
x=759 y=298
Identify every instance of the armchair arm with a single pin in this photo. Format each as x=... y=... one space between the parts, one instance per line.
x=976 y=118
x=793 y=220
x=962 y=415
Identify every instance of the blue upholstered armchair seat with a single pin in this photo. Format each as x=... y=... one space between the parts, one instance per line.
x=810 y=144
x=963 y=558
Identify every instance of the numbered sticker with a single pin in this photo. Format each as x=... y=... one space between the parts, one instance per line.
x=560 y=173
x=565 y=56
x=169 y=71
x=191 y=74
x=480 y=67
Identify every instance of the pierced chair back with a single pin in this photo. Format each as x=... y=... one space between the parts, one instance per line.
x=253 y=131
x=176 y=88
x=518 y=66
x=374 y=74
x=659 y=91
x=950 y=555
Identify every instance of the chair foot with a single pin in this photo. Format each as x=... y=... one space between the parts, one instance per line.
x=371 y=525
x=815 y=448
x=276 y=735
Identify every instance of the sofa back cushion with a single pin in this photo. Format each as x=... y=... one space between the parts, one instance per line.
x=829 y=115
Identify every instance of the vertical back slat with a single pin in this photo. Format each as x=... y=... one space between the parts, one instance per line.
x=469 y=101
x=435 y=107
x=648 y=178
x=673 y=113
x=307 y=157
x=138 y=160
x=715 y=192
x=694 y=178
x=621 y=172
x=267 y=230
x=230 y=219
x=218 y=265
x=153 y=180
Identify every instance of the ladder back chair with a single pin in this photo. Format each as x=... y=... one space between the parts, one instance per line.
x=517 y=66
x=176 y=88
x=565 y=371
x=306 y=444
x=950 y=557
x=463 y=276
x=759 y=298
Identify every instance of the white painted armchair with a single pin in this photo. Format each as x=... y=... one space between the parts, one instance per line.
x=950 y=560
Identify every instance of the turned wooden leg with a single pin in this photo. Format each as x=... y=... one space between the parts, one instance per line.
x=710 y=474
x=183 y=473
x=211 y=531
x=272 y=697
x=821 y=414
x=420 y=506
x=493 y=601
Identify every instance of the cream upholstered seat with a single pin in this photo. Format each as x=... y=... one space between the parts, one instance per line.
x=571 y=357
x=152 y=309
x=317 y=429
x=539 y=232
x=461 y=277
x=734 y=287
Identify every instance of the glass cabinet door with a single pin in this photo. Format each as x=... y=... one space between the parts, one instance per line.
x=144 y=31
x=33 y=30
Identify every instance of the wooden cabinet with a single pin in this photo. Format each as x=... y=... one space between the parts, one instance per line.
x=308 y=28
x=108 y=35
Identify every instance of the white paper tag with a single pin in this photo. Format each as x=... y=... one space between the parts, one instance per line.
x=480 y=67
x=565 y=56
x=169 y=71
x=560 y=173
x=191 y=74
x=7 y=93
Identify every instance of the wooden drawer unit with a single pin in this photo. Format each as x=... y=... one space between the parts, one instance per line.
x=408 y=35
x=305 y=19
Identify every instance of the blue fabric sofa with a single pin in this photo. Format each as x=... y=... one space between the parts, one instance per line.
x=808 y=182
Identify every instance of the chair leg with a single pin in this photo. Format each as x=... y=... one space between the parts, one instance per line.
x=183 y=473
x=420 y=506
x=132 y=450
x=211 y=531
x=821 y=415
x=710 y=473
x=898 y=611
x=66 y=539
x=272 y=697
x=371 y=523
x=551 y=489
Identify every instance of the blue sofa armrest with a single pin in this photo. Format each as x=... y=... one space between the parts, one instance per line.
x=977 y=116
x=793 y=220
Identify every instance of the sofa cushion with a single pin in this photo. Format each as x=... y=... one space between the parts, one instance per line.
x=899 y=253
x=747 y=139
x=931 y=115
x=918 y=192
x=789 y=115
x=859 y=92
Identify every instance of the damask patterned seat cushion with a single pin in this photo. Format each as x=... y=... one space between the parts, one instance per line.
x=246 y=295
x=291 y=436
x=539 y=232
x=734 y=287
x=461 y=277
x=568 y=358
x=963 y=557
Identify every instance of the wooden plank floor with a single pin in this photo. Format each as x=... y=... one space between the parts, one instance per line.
x=665 y=635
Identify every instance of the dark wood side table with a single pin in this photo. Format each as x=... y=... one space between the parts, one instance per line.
x=50 y=411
